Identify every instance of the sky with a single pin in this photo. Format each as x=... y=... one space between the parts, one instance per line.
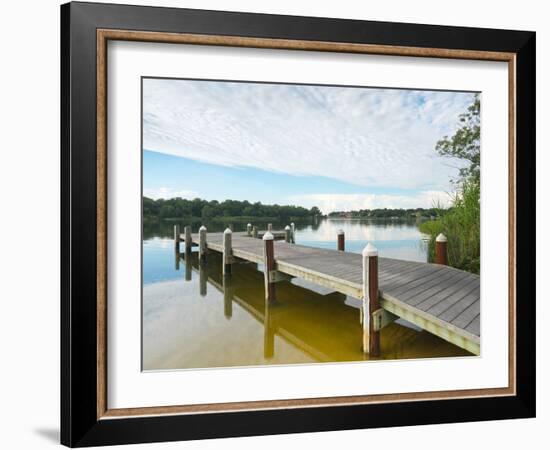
x=338 y=148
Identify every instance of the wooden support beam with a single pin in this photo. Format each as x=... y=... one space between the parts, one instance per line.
x=383 y=318
x=287 y=234
x=441 y=249
x=269 y=266
x=255 y=232
x=371 y=337
x=227 y=252
x=202 y=243
x=188 y=238
x=341 y=240
x=249 y=229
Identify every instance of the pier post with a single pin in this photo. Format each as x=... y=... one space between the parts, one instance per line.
x=270 y=227
x=287 y=234
x=227 y=252
x=293 y=228
x=441 y=249
x=188 y=264
x=255 y=232
x=249 y=229
x=371 y=338
x=188 y=239
x=177 y=238
x=202 y=243
x=269 y=333
x=341 y=240
x=203 y=277
x=269 y=267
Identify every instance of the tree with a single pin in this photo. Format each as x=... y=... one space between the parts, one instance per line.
x=465 y=143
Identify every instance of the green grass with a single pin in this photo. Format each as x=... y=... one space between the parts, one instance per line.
x=460 y=224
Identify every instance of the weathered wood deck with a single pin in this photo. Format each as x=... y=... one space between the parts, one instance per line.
x=440 y=299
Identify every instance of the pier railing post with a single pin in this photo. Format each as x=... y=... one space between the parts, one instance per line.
x=341 y=240
x=269 y=267
x=287 y=234
x=371 y=338
x=188 y=239
x=249 y=229
x=177 y=238
x=255 y=232
x=293 y=227
x=441 y=249
x=227 y=252
x=270 y=227
x=202 y=243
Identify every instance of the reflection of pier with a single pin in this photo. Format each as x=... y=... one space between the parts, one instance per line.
x=290 y=318
x=439 y=299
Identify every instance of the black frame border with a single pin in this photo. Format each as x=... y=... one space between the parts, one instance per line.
x=79 y=423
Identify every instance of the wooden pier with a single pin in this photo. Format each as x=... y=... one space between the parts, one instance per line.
x=440 y=299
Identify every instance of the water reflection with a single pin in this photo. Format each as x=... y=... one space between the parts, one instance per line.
x=216 y=321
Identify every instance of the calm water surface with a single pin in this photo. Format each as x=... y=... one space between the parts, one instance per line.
x=193 y=318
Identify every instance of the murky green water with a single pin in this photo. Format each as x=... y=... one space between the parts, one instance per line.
x=193 y=318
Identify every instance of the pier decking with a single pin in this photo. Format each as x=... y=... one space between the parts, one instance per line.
x=442 y=300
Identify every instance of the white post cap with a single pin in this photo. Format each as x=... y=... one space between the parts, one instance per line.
x=268 y=236
x=291 y=224
x=287 y=227
x=340 y=231
x=441 y=238
x=248 y=224
x=370 y=250
x=202 y=228
x=227 y=231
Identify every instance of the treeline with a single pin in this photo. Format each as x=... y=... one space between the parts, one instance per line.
x=204 y=209
x=386 y=213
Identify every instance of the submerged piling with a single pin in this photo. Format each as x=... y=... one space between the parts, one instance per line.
x=371 y=338
x=269 y=267
x=227 y=252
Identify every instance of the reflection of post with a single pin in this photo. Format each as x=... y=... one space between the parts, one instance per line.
x=202 y=244
x=341 y=240
x=227 y=251
x=269 y=334
x=249 y=229
x=227 y=298
x=293 y=228
x=177 y=238
x=188 y=239
x=255 y=232
x=371 y=338
x=269 y=267
x=203 y=278
x=287 y=234
x=188 y=264
x=177 y=259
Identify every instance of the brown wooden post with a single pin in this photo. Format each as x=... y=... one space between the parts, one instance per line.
x=202 y=243
x=177 y=238
x=188 y=239
x=255 y=232
x=249 y=229
x=188 y=264
x=371 y=338
x=227 y=298
x=227 y=252
x=269 y=267
x=341 y=240
x=441 y=249
x=203 y=277
x=287 y=234
x=293 y=228
x=269 y=333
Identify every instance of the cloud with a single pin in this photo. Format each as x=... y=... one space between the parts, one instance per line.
x=369 y=137
x=167 y=192
x=347 y=202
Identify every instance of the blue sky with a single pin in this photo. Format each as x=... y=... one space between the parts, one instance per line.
x=333 y=147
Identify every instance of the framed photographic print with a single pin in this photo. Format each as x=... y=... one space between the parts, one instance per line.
x=276 y=224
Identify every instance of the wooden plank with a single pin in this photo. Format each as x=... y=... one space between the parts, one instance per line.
x=459 y=306
x=440 y=302
x=467 y=316
x=446 y=282
x=474 y=326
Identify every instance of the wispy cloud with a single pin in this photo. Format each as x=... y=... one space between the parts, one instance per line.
x=347 y=202
x=168 y=192
x=370 y=137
